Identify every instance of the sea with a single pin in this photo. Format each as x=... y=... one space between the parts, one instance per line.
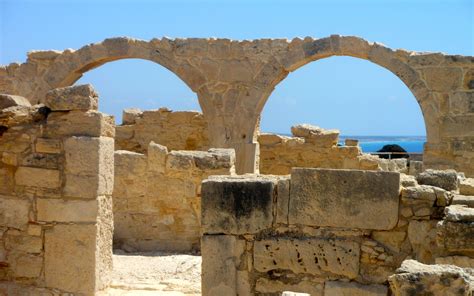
x=413 y=144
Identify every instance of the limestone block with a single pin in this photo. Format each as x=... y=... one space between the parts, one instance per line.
x=459 y=213
x=237 y=206
x=18 y=242
x=463 y=200
x=283 y=199
x=456 y=236
x=44 y=145
x=311 y=255
x=304 y=287
x=157 y=157
x=269 y=139
x=414 y=278
x=34 y=230
x=76 y=97
x=57 y=210
x=443 y=78
x=130 y=116
x=461 y=261
x=36 y=177
x=25 y=265
x=220 y=158
x=422 y=236
x=220 y=260
x=351 y=142
x=339 y=288
x=180 y=160
x=75 y=123
x=447 y=179
x=70 y=258
x=466 y=186
x=344 y=198
x=14 y=212
x=407 y=180
x=391 y=239
x=89 y=166
x=316 y=135
x=7 y=101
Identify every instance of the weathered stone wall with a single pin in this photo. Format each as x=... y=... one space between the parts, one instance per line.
x=56 y=181
x=178 y=130
x=157 y=196
x=329 y=232
x=233 y=80
x=313 y=147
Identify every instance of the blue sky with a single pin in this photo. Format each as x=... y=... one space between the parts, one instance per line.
x=355 y=96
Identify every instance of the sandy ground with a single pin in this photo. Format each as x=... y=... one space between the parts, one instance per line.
x=155 y=274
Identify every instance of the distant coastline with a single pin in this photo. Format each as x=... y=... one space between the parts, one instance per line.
x=413 y=144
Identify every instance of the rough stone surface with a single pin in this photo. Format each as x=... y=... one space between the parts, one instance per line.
x=362 y=199
x=463 y=200
x=466 y=186
x=56 y=210
x=314 y=256
x=339 y=288
x=76 y=245
x=157 y=198
x=37 y=177
x=459 y=213
x=78 y=97
x=461 y=261
x=456 y=236
x=237 y=206
x=447 y=180
x=414 y=278
x=221 y=256
x=11 y=101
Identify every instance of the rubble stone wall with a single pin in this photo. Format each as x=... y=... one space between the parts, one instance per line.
x=313 y=147
x=233 y=80
x=178 y=130
x=329 y=232
x=157 y=196
x=56 y=181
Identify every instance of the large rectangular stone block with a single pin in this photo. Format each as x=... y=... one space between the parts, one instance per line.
x=237 y=205
x=75 y=123
x=14 y=212
x=312 y=255
x=70 y=258
x=89 y=166
x=344 y=198
x=36 y=177
x=58 y=210
x=220 y=258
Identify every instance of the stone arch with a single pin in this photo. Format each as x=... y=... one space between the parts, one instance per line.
x=70 y=65
x=304 y=51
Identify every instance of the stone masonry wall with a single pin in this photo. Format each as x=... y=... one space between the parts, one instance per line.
x=332 y=232
x=313 y=147
x=157 y=196
x=178 y=130
x=56 y=181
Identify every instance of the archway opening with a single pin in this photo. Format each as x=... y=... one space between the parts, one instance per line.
x=156 y=225
x=357 y=97
x=137 y=83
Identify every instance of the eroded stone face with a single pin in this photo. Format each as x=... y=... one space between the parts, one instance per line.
x=237 y=206
x=361 y=199
x=313 y=256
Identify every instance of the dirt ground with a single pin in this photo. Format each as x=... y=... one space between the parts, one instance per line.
x=155 y=274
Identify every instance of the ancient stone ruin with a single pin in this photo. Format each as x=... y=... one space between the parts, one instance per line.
x=269 y=213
